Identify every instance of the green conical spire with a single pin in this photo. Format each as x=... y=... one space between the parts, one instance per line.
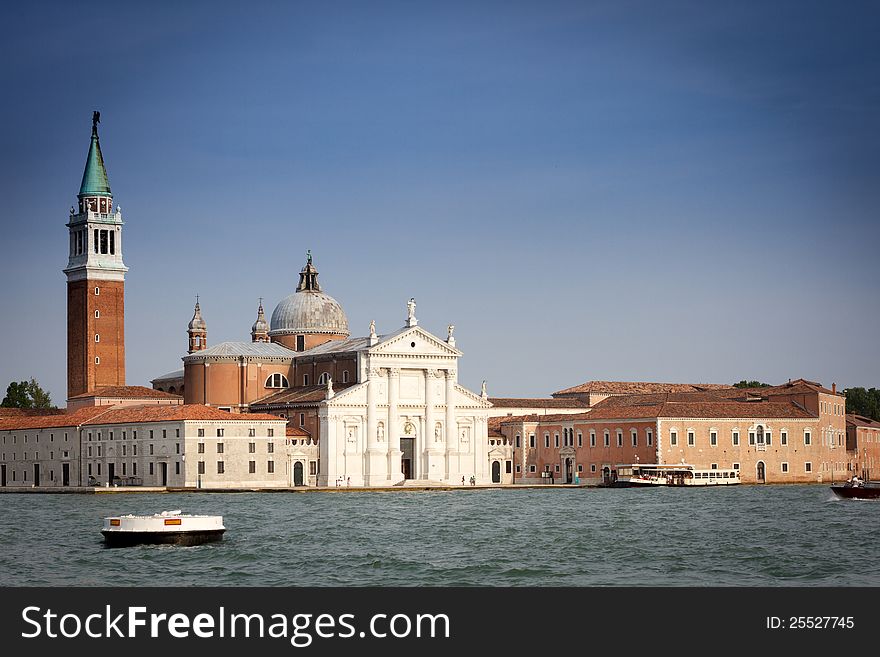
x=94 y=182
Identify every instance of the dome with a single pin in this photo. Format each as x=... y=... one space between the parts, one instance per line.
x=197 y=323
x=308 y=310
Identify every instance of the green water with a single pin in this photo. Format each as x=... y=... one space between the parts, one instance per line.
x=731 y=536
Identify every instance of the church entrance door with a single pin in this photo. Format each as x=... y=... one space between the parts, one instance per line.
x=65 y=474
x=163 y=472
x=496 y=472
x=569 y=471
x=298 y=473
x=111 y=472
x=407 y=446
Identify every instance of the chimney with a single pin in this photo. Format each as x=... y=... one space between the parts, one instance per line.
x=834 y=388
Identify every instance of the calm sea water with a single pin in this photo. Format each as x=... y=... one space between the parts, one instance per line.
x=741 y=536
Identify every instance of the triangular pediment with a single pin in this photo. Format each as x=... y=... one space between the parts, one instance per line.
x=401 y=343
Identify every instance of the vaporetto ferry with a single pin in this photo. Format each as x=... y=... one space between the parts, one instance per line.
x=631 y=475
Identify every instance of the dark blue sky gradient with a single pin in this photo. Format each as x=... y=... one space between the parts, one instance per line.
x=681 y=191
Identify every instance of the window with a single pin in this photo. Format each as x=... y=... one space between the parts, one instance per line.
x=322 y=379
x=176 y=467
x=177 y=433
x=252 y=448
x=97 y=360
x=619 y=438
x=557 y=467
x=219 y=433
x=547 y=440
x=277 y=380
x=751 y=437
x=768 y=437
x=252 y=467
x=201 y=449
x=532 y=440
x=580 y=439
x=650 y=439
x=784 y=468
x=201 y=469
x=736 y=466
x=151 y=449
x=302 y=419
x=607 y=438
x=735 y=436
x=556 y=443
x=221 y=467
x=592 y=438
x=164 y=433
x=673 y=438
x=151 y=434
x=517 y=469
x=270 y=448
x=313 y=467
x=151 y=467
x=635 y=438
x=270 y=467
x=252 y=433
x=531 y=468
x=713 y=438
x=177 y=448
x=97 y=291
x=807 y=438
x=201 y=433
x=219 y=448
x=97 y=338
x=301 y=343
x=305 y=379
x=345 y=376
x=691 y=439
x=270 y=432
x=97 y=314
x=580 y=467
x=808 y=467
x=123 y=450
x=134 y=469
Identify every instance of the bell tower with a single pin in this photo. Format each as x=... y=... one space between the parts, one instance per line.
x=95 y=282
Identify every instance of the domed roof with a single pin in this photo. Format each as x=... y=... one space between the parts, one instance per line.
x=197 y=323
x=308 y=310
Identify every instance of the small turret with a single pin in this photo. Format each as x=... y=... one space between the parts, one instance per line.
x=260 y=329
x=197 y=330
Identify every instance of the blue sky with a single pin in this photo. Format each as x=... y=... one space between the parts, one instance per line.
x=679 y=191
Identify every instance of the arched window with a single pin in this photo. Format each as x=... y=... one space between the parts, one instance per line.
x=97 y=314
x=277 y=380
x=323 y=378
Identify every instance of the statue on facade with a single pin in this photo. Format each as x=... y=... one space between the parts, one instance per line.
x=411 y=312
x=483 y=390
x=96 y=119
x=309 y=256
x=372 y=328
x=449 y=331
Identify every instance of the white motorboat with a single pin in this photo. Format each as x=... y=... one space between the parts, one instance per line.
x=168 y=527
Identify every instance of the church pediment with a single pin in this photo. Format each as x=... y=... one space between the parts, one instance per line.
x=414 y=341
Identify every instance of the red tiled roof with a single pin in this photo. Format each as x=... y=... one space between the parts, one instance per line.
x=550 y=402
x=126 y=392
x=638 y=387
x=861 y=421
x=155 y=413
x=296 y=431
x=300 y=395
x=77 y=417
x=30 y=412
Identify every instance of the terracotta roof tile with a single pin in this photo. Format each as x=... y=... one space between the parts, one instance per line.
x=300 y=395
x=126 y=392
x=79 y=416
x=154 y=413
x=550 y=402
x=296 y=431
x=638 y=387
x=854 y=420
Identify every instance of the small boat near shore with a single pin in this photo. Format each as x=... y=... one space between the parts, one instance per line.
x=856 y=489
x=168 y=527
x=647 y=475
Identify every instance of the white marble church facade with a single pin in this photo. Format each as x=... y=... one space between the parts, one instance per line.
x=407 y=419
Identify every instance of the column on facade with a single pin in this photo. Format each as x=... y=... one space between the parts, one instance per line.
x=372 y=424
x=451 y=428
x=393 y=394
x=430 y=441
